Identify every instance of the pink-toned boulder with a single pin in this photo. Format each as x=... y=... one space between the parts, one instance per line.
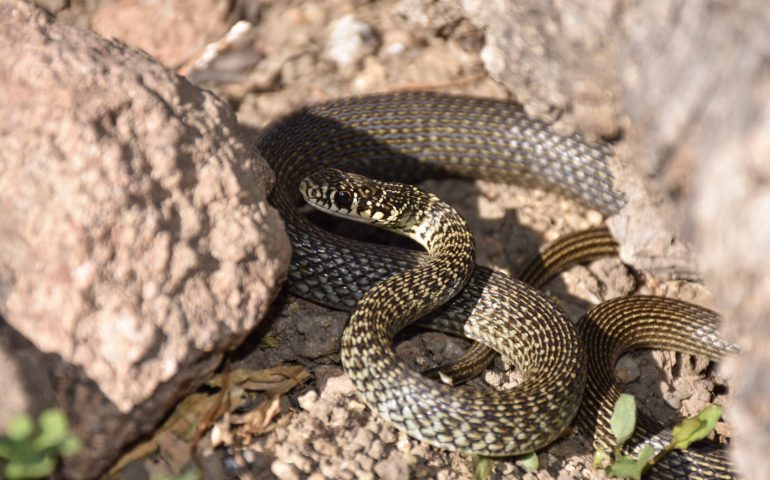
x=136 y=242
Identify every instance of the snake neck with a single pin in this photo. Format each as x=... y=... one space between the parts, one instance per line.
x=403 y=298
x=433 y=224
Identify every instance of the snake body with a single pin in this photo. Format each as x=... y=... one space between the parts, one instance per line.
x=627 y=323
x=556 y=257
x=409 y=136
x=483 y=422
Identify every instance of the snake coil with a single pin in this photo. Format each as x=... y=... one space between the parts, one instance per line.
x=413 y=135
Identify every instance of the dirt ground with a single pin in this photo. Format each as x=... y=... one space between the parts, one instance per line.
x=293 y=53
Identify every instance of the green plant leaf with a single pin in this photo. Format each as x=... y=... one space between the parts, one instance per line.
x=33 y=451
x=482 y=467
x=190 y=474
x=692 y=429
x=529 y=461
x=684 y=430
x=6 y=448
x=625 y=467
x=54 y=430
x=20 y=428
x=54 y=421
x=70 y=446
x=631 y=468
x=645 y=454
x=623 y=419
x=600 y=458
x=40 y=467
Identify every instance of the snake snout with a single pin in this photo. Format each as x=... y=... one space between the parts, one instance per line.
x=303 y=188
x=312 y=191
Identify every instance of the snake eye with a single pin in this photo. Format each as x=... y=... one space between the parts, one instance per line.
x=343 y=198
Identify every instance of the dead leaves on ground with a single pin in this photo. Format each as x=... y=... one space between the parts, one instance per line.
x=177 y=439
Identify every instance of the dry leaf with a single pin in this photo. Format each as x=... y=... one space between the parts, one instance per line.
x=196 y=408
x=257 y=421
x=190 y=413
x=174 y=451
x=273 y=381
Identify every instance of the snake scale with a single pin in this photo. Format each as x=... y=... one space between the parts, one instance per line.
x=414 y=135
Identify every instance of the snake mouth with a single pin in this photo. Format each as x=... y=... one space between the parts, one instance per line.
x=363 y=199
x=304 y=188
x=315 y=193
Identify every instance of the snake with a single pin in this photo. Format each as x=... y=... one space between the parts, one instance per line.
x=409 y=136
x=555 y=257
x=478 y=421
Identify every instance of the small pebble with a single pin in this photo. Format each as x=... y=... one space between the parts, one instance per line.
x=284 y=471
x=377 y=450
x=339 y=416
x=672 y=400
x=403 y=443
x=337 y=387
x=304 y=464
x=421 y=450
x=308 y=400
x=626 y=370
x=395 y=49
x=588 y=473
x=356 y=406
x=362 y=440
x=594 y=217
x=350 y=41
x=329 y=469
x=367 y=463
x=324 y=447
x=297 y=437
x=388 y=434
x=392 y=468
x=493 y=378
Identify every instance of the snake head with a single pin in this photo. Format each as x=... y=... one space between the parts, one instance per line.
x=354 y=197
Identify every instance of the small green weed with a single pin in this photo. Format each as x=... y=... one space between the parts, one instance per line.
x=32 y=451
x=189 y=474
x=483 y=467
x=623 y=423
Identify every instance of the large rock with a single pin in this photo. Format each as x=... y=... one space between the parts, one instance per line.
x=136 y=243
x=687 y=84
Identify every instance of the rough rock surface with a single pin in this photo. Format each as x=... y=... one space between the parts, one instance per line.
x=136 y=244
x=171 y=32
x=687 y=83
